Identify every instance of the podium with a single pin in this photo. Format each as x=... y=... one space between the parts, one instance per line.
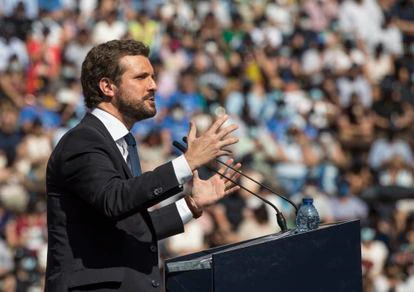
x=326 y=259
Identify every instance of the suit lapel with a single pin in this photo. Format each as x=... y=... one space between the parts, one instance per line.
x=94 y=122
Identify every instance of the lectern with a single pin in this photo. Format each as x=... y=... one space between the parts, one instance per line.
x=327 y=259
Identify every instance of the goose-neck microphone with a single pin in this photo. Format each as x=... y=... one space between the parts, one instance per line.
x=253 y=180
x=281 y=221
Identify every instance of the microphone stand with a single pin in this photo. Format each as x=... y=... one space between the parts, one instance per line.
x=281 y=221
x=253 y=180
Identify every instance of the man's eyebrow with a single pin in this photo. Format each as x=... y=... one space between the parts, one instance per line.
x=141 y=73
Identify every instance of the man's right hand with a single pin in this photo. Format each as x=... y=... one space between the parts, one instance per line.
x=211 y=144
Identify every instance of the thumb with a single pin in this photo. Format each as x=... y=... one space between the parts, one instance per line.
x=192 y=132
x=195 y=174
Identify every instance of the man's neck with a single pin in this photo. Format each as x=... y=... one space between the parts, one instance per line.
x=110 y=109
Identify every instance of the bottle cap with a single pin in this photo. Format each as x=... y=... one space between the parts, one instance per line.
x=307 y=200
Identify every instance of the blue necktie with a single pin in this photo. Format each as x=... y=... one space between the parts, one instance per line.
x=133 y=154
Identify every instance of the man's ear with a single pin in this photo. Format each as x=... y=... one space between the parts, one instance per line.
x=107 y=87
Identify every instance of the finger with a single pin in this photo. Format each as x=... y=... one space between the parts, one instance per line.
x=228 y=141
x=227 y=130
x=217 y=124
x=224 y=168
x=234 y=174
x=231 y=181
x=228 y=185
x=232 y=190
x=192 y=132
x=224 y=152
x=230 y=163
x=231 y=169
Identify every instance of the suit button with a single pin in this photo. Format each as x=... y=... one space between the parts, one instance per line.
x=157 y=191
x=155 y=283
x=153 y=248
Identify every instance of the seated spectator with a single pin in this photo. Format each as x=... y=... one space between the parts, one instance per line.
x=10 y=132
x=390 y=279
x=11 y=46
x=374 y=252
x=332 y=159
x=78 y=48
x=143 y=28
x=346 y=206
x=174 y=127
x=359 y=176
x=35 y=110
x=404 y=85
x=396 y=172
x=403 y=17
x=5 y=215
x=35 y=148
x=383 y=150
x=152 y=151
x=296 y=156
x=6 y=259
x=210 y=27
x=109 y=28
x=391 y=37
x=354 y=83
x=12 y=83
x=223 y=231
x=356 y=124
x=361 y=18
x=256 y=222
x=390 y=112
x=173 y=56
x=187 y=95
x=379 y=65
x=17 y=17
x=192 y=240
x=321 y=13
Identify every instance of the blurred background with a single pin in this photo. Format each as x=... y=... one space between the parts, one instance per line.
x=322 y=91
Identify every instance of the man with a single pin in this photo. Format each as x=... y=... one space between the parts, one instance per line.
x=101 y=236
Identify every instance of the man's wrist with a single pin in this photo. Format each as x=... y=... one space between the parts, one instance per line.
x=190 y=161
x=192 y=205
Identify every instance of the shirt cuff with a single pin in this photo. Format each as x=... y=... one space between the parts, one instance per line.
x=185 y=212
x=182 y=170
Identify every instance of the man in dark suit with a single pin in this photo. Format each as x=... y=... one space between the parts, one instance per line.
x=101 y=235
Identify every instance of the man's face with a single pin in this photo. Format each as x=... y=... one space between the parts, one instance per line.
x=136 y=90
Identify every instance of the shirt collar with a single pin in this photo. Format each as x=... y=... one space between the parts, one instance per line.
x=114 y=126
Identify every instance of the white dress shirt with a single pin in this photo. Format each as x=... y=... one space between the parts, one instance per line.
x=181 y=168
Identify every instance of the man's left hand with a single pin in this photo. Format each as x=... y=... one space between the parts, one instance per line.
x=207 y=192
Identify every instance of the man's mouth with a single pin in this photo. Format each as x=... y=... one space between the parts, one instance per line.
x=150 y=97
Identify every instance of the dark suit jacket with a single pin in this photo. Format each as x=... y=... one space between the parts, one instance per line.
x=100 y=234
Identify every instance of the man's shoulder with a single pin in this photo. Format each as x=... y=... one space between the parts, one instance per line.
x=86 y=132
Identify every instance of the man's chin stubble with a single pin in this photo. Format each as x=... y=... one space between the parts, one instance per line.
x=137 y=115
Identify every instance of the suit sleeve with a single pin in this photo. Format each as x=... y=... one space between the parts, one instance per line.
x=167 y=221
x=89 y=171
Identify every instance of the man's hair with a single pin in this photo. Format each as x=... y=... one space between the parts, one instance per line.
x=103 y=61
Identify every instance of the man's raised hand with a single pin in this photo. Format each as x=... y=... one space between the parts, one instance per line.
x=211 y=144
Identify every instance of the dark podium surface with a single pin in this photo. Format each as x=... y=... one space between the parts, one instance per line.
x=326 y=259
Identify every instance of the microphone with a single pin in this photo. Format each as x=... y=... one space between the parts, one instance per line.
x=281 y=221
x=253 y=180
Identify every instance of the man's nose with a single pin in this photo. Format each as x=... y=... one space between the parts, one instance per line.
x=153 y=85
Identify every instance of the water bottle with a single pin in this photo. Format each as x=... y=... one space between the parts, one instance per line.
x=307 y=217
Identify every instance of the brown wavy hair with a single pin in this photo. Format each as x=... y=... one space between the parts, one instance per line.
x=103 y=61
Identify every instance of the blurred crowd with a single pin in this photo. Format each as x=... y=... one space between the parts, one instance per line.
x=322 y=91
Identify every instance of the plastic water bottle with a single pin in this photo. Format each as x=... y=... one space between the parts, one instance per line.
x=307 y=217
